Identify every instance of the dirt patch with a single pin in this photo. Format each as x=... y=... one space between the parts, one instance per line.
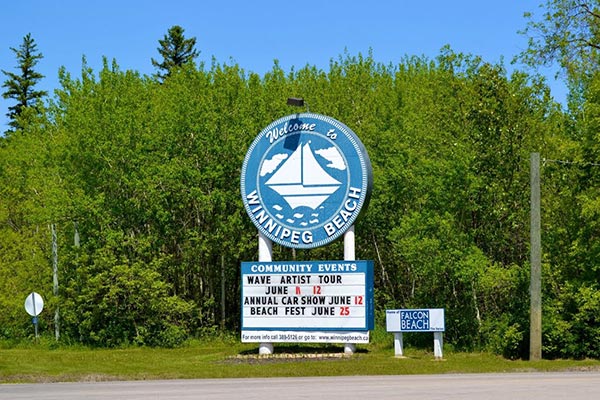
x=584 y=368
x=285 y=357
x=24 y=378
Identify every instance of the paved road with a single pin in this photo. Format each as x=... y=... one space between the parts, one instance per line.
x=530 y=386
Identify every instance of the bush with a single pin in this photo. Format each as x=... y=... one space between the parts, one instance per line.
x=505 y=337
x=572 y=324
x=126 y=303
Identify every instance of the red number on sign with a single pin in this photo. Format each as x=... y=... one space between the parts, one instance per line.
x=344 y=311
x=316 y=289
x=358 y=300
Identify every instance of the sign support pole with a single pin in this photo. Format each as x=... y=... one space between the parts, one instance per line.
x=398 y=345
x=349 y=255
x=35 y=318
x=438 y=344
x=265 y=253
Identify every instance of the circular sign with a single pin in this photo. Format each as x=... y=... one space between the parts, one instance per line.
x=305 y=179
x=34 y=304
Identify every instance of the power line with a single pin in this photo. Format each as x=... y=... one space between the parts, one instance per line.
x=583 y=164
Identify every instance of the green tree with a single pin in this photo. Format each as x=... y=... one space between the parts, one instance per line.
x=567 y=33
x=175 y=50
x=31 y=197
x=150 y=173
x=21 y=86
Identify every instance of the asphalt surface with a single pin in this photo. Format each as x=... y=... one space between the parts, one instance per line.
x=513 y=386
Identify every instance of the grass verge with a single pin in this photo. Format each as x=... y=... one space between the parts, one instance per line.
x=230 y=359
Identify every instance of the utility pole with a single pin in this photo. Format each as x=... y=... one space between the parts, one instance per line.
x=222 y=293
x=535 y=288
x=55 y=279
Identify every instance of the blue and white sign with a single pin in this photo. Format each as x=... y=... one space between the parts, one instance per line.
x=415 y=320
x=308 y=296
x=305 y=179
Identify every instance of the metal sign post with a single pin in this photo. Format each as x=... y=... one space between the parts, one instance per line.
x=349 y=255
x=265 y=253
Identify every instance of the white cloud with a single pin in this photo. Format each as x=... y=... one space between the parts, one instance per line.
x=334 y=157
x=272 y=164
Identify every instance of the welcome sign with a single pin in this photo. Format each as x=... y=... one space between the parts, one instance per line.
x=305 y=179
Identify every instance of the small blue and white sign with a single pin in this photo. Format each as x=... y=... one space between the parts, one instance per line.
x=415 y=320
x=305 y=179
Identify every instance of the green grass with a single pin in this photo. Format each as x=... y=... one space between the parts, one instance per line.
x=230 y=359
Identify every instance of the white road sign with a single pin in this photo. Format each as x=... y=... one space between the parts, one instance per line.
x=34 y=304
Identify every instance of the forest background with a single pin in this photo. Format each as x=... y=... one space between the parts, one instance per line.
x=138 y=176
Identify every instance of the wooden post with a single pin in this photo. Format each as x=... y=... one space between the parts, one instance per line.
x=55 y=280
x=222 y=292
x=535 y=289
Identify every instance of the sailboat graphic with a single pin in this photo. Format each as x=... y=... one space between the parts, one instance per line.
x=301 y=181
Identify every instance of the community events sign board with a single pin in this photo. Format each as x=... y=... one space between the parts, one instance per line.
x=307 y=301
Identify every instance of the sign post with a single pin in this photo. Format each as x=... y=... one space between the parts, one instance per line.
x=34 y=304
x=416 y=320
x=349 y=254
x=398 y=344
x=265 y=254
x=438 y=344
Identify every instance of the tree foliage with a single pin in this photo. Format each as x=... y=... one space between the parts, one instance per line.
x=175 y=50
x=568 y=34
x=146 y=174
x=21 y=86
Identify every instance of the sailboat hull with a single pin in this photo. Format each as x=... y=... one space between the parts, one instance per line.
x=306 y=201
x=300 y=190
x=308 y=196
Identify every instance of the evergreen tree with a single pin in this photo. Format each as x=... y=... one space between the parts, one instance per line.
x=20 y=86
x=176 y=51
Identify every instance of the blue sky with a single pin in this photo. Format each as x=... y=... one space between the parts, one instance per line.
x=255 y=33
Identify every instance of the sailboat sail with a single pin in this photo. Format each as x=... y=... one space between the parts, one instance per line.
x=301 y=180
x=289 y=171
